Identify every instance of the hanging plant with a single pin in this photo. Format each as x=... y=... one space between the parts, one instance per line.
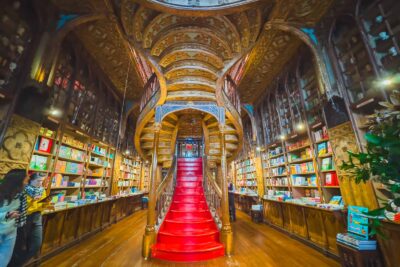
x=381 y=160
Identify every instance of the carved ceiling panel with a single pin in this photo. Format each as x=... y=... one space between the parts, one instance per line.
x=192 y=51
x=185 y=71
x=195 y=52
x=102 y=40
x=275 y=48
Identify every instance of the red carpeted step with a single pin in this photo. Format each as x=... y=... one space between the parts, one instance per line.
x=188 y=253
x=188 y=232
x=188 y=225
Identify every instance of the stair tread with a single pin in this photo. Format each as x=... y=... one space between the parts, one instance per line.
x=188 y=233
x=200 y=220
x=188 y=248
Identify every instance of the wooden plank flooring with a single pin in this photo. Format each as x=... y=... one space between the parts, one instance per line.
x=255 y=245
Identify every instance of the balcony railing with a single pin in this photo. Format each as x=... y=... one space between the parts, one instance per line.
x=230 y=90
x=150 y=89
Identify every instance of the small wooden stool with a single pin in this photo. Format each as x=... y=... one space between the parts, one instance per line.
x=351 y=257
x=256 y=216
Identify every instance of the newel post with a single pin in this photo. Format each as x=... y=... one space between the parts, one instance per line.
x=150 y=232
x=226 y=234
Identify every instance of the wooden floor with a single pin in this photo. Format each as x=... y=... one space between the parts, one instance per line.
x=255 y=245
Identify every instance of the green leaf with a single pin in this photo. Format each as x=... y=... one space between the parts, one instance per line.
x=373 y=139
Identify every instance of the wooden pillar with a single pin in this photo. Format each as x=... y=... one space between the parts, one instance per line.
x=150 y=232
x=226 y=230
x=259 y=173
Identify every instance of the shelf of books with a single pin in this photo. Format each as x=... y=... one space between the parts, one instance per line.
x=130 y=175
x=145 y=178
x=79 y=168
x=246 y=180
x=327 y=172
x=276 y=176
x=300 y=170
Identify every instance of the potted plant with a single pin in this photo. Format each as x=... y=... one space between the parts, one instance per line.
x=381 y=160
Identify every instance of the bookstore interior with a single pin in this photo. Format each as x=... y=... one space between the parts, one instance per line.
x=200 y=132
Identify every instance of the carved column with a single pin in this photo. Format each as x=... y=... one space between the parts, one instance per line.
x=226 y=230
x=150 y=232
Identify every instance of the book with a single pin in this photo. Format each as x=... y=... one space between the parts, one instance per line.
x=322 y=149
x=336 y=200
x=38 y=163
x=356 y=241
x=45 y=145
x=331 y=179
x=326 y=164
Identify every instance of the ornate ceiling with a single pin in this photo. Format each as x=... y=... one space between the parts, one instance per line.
x=191 y=52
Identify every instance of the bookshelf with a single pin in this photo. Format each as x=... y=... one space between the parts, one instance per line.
x=277 y=175
x=130 y=175
x=80 y=168
x=68 y=176
x=246 y=180
x=145 y=177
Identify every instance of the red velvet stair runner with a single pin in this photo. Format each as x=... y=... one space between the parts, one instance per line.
x=188 y=232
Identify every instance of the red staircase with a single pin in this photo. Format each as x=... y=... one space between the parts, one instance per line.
x=188 y=232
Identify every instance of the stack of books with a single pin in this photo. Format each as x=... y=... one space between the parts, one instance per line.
x=355 y=241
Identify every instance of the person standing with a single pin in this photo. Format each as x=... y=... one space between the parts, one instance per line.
x=231 y=199
x=12 y=211
x=29 y=237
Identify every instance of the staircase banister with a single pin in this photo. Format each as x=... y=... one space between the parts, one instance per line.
x=167 y=180
x=214 y=184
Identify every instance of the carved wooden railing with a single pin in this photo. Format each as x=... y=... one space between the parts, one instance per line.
x=150 y=89
x=165 y=193
x=231 y=92
x=213 y=194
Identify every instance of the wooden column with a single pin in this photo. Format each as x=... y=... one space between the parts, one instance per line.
x=259 y=173
x=150 y=232
x=343 y=139
x=226 y=230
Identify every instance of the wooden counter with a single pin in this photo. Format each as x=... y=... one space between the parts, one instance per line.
x=315 y=226
x=63 y=228
x=390 y=243
x=243 y=202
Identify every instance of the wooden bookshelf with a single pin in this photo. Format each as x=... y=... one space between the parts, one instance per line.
x=246 y=180
x=77 y=165
x=130 y=174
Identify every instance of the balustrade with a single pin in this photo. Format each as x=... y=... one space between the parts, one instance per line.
x=231 y=92
x=150 y=88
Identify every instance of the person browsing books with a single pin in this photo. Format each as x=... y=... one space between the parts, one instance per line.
x=29 y=237
x=12 y=212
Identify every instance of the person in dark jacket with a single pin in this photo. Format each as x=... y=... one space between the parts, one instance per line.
x=231 y=196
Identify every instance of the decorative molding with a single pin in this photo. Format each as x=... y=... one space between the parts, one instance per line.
x=207 y=107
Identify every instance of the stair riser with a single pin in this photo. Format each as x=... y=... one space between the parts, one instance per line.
x=189 y=179
x=189 y=184
x=213 y=237
x=188 y=174
x=189 y=160
x=172 y=226
x=188 y=198
x=190 y=164
x=188 y=216
x=188 y=207
x=189 y=191
x=188 y=257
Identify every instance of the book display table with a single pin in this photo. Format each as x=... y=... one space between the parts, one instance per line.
x=244 y=202
x=315 y=226
x=62 y=228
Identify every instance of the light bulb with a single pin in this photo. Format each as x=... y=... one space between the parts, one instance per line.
x=300 y=126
